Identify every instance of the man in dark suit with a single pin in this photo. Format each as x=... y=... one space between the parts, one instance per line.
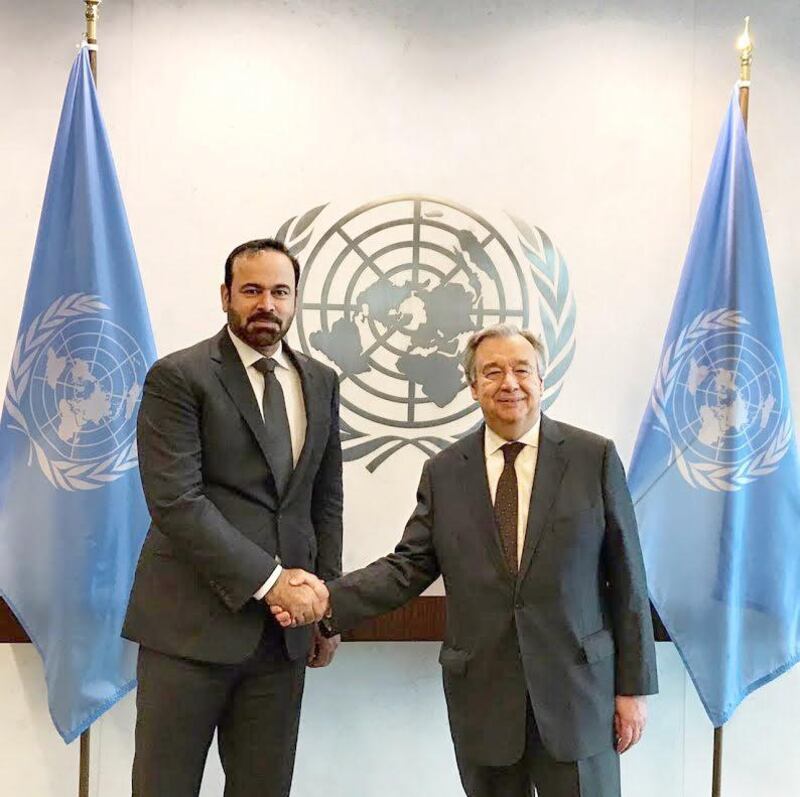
x=241 y=463
x=548 y=647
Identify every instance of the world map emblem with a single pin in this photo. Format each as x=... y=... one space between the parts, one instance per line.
x=720 y=398
x=74 y=391
x=390 y=293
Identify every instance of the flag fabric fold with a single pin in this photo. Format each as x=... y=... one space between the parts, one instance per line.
x=72 y=511
x=714 y=474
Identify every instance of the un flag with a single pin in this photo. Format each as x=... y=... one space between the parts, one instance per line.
x=72 y=512
x=714 y=475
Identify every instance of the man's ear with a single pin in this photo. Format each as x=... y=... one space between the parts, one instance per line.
x=474 y=390
x=225 y=297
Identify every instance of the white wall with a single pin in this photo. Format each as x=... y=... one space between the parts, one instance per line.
x=595 y=121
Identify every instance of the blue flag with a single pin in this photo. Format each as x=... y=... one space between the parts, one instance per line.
x=72 y=512
x=714 y=474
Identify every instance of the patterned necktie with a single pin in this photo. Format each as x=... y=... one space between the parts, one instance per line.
x=506 y=505
x=276 y=423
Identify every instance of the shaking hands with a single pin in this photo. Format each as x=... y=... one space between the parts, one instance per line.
x=297 y=598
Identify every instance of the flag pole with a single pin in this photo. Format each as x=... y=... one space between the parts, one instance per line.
x=91 y=40
x=91 y=34
x=745 y=47
x=83 y=772
x=716 y=776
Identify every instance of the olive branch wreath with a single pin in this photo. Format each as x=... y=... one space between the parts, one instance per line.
x=711 y=475
x=557 y=309
x=556 y=305
x=65 y=474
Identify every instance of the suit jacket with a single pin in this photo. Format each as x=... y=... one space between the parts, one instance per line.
x=219 y=526
x=572 y=630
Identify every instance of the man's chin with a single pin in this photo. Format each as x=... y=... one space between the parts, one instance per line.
x=262 y=339
x=516 y=419
x=515 y=415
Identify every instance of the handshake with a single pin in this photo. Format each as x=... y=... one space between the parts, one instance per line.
x=298 y=598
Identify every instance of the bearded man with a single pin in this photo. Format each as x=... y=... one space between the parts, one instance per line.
x=241 y=464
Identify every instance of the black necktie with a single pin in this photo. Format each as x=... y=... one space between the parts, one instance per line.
x=506 y=505
x=276 y=423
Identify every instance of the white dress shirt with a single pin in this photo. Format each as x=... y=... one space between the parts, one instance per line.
x=525 y=467
x=289 y=380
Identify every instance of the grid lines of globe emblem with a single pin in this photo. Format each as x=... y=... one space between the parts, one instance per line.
x=728 y=400
x=85 y=390
x=390 y=293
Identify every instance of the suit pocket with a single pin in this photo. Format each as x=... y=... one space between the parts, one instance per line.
x=453 y=661
x=598 y=646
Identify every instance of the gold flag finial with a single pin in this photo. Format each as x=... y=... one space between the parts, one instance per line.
x=91 y=20
x=744 y=45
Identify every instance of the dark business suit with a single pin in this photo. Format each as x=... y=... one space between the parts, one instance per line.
x=570 y=632
x=218 y=530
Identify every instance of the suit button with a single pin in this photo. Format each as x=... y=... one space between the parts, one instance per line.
x=519 y=605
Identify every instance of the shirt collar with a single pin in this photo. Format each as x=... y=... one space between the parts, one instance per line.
x=492 y=442
x=248 y=355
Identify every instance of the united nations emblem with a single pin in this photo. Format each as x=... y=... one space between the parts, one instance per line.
x=720 y=399
x=391 y=291
x=74 y=390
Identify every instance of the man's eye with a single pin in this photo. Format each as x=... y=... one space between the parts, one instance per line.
x=495 y=374
x=522 y=373
x=282 y=293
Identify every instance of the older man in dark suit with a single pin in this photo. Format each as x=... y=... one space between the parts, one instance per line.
x=241 y=464
x=548 y=647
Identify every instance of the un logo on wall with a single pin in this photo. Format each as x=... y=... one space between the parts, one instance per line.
x=74 y=390
x=390 y=293
x=719 y=397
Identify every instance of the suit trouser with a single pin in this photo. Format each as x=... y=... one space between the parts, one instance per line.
x=597 y=776
x=254 y=707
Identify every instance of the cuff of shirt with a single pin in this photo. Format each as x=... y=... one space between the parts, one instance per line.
x=268 y=584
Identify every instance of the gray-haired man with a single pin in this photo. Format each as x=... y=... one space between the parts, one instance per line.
x=549 y=645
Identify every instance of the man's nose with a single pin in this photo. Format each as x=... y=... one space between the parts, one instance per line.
x=510 y=381
x=266 y=302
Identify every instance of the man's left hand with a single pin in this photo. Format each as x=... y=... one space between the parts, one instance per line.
x=630 y=717
x=323 y=649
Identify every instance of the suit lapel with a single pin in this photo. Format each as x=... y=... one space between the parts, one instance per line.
x=479 y=498
x=232 y=374
x=550 y=466
x=311 y=400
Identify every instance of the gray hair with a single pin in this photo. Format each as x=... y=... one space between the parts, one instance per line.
x=500 y=331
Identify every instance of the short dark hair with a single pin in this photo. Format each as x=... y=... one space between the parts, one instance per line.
x=260 y=245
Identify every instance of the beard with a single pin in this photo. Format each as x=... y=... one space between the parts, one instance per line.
x=257 y=336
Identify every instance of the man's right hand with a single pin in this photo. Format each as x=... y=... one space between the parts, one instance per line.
x=283 y=614
x=298 y=595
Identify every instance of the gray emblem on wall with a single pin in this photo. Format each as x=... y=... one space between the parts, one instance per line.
x=391 y=291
